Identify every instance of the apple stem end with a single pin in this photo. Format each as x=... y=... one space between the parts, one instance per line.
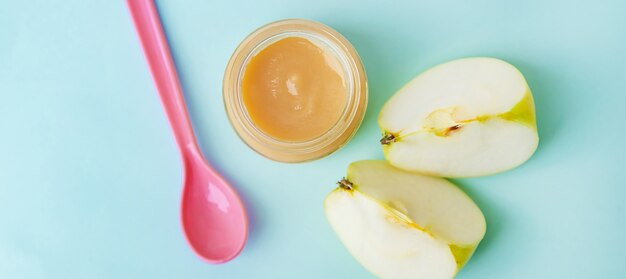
x=388 y=139
x=345 y=184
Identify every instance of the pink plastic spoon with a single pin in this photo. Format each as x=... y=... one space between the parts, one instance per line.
x=212 y=215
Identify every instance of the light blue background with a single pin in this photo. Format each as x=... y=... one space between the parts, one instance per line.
x=90 y=176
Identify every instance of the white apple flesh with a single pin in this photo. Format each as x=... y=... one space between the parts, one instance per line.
x=399 y=224
x=465 y=118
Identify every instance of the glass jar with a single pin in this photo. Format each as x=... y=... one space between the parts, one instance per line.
x=339 y=134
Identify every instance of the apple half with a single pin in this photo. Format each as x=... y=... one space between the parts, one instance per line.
x=399 y=224
x=464 y=118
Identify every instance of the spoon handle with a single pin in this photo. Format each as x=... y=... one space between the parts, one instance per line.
x=157 y=52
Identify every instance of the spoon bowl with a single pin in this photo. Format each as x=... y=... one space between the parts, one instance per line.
x=212 y=216
x=213 y=220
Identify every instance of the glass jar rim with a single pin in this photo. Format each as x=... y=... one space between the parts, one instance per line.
x=337 y=135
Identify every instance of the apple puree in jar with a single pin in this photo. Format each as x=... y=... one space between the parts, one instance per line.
x=294 y=90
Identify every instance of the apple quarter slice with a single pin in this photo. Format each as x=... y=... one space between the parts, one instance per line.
x=399 y=224
x=465 y=118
